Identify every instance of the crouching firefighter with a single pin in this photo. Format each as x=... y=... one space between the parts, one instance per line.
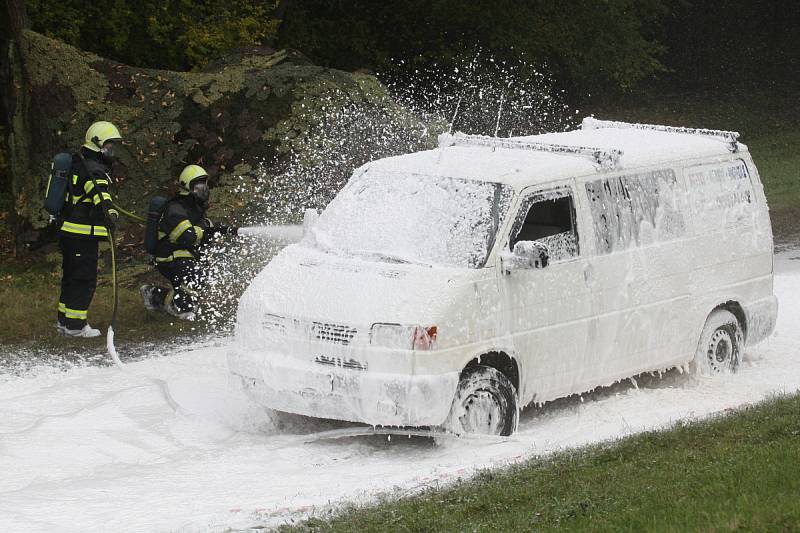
x=77 y=194
x=176 y=231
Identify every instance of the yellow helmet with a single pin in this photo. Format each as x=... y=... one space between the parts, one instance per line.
x=100 y=133
x=189 y=174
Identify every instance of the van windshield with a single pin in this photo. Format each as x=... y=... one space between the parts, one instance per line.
x=410 y=218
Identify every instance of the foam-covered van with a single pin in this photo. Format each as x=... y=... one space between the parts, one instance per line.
x=449 y=288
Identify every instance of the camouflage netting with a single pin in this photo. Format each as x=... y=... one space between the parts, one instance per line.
x=260 y=122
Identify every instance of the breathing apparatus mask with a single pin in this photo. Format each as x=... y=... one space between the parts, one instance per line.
x=107 y=150
x=200 y=191
x=107 y=153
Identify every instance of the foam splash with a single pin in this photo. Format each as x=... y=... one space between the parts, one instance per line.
x=479 y=95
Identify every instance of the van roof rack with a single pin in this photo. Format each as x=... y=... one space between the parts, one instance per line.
x=591 y=123
x=605 y=159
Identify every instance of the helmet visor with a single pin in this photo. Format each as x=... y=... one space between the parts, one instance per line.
x=108 y=149
x=200 y=190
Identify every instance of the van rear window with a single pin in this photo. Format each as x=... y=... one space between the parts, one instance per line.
x=635 y=209
x=721 y=193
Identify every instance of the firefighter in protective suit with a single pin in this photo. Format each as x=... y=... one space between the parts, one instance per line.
x=183 y=230
x=88 y=217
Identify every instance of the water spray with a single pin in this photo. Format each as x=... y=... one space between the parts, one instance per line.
x=284 y=234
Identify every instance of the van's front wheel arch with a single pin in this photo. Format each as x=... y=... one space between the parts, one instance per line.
x=485 y=403
x=721 y=344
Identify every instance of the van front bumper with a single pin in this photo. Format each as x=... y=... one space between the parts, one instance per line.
x=309 y=388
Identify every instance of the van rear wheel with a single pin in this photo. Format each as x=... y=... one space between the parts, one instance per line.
x=485 y=403
x=721 y=344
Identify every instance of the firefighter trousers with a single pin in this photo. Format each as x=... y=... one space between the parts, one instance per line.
x=186 y=280
x=78 y=280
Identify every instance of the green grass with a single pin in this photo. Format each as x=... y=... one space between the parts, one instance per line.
x=777 y=156
x=30 y=288
x=740 y=472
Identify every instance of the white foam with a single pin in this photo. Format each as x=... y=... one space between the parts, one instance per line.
x=93 y=449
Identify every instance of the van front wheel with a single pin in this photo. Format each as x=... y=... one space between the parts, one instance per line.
x=485 y=403
x=721 y=344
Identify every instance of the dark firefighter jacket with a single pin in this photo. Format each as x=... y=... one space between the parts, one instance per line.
x=88 y=199
x=181 y=229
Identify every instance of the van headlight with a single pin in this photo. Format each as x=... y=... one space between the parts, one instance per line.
x=403 y=337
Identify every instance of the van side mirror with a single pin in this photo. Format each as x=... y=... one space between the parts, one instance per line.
x=310 y=217
x=527 y=255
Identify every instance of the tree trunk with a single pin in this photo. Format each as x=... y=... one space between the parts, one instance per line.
x=17 y=18
x=15 y=108
x=280 y=14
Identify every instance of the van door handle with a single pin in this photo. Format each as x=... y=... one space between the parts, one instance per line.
x=588 y=275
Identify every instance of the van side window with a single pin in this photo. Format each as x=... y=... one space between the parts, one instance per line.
x=636 y=209
x=548 y=218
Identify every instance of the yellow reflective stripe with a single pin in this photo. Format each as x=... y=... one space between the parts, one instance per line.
x=114 y=211
x=161 y=235
x=176 y=233
x=74 y=179
x=80 y=314
x=177 y=254
x=74 y=313
x=71 y=227
x=199 y=232
x=84 y=229
x=101 y=181
x=97 y=199
x=88 y=186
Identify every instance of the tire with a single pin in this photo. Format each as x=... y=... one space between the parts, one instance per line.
x=485 y=403
x=721 y=344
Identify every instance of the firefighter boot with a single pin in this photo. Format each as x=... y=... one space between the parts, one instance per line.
x=153 y=297
x=87 y=331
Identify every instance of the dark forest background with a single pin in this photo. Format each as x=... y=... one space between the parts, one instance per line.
x=600 y=48
x=726 y=63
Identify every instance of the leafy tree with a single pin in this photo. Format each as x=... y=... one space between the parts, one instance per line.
x=588 y=44
x=738 y=42
x=171 y=34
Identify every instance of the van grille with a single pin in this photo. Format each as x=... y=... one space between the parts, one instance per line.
x=335 y=333
x=322 y=331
